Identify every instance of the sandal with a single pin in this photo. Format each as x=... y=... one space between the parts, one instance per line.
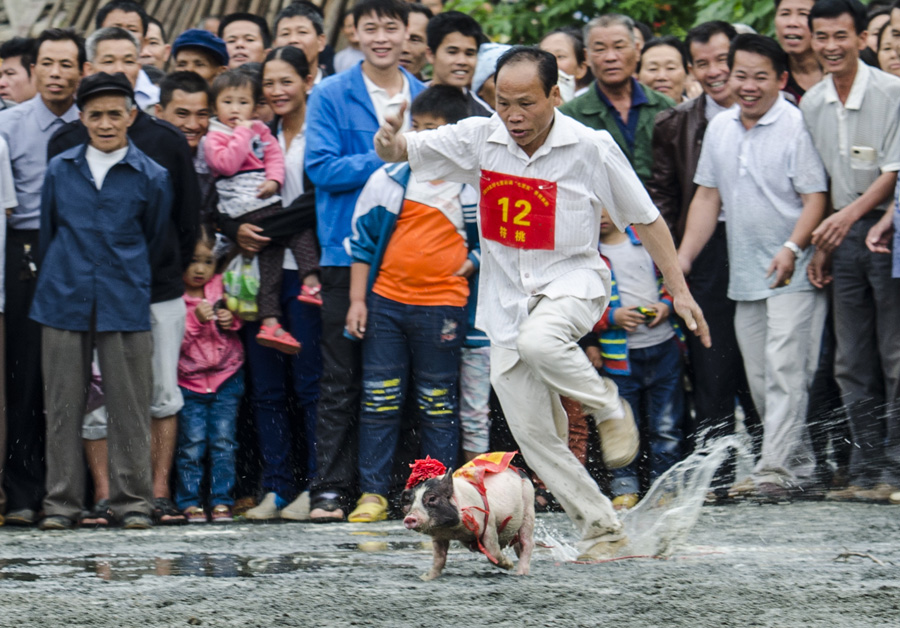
x=313 y=295
x=284 y=342
x=369 y=512
x=330 y=503
x=195 y=514
x=166 y=514
x=100 y=516
x=221 y=514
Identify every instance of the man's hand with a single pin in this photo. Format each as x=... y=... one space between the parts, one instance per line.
x=819 y=269
x=268 y=188
x=628 y=318
x=595 y=356
x=466 y=270
x=829 y=235
x=224 y=318
x=356 y=319
x=782 y=267
x=662 y=314
x=390 y=144
x=692 y=315
x=878 y=240
x=204 y=312
x=248 y=238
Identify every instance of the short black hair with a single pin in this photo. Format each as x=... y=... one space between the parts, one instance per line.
x=761 y=45
x=188 y=82
x=61 y=34
x=668 y=40
x=22 y=47
x=835 y=8
x=397 y=9
x=646 y=32
x=444 y=24
x=418 y=7
x=702 y=33
x=441 y=101
x=292 y=56
x=547 y=69
x=153 y=73
x=127 y=6
x=301 y=8
x=231 y=18
x=162 y=29
x=235 y=78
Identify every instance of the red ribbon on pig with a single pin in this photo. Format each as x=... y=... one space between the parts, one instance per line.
x=425 y=470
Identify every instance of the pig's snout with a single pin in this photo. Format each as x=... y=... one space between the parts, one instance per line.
x=411 y=522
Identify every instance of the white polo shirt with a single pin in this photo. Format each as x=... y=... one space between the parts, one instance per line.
x=539 y=216
x=860 y=139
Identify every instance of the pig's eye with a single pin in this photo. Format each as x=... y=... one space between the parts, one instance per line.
x=430 y=500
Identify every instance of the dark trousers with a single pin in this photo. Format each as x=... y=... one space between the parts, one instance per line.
x=717 y=374
x=867 y=360
x=339 y=390
x=24 y=470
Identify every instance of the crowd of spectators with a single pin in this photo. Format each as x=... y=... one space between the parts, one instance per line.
x=218 y=301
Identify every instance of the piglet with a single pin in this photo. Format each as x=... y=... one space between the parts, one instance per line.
x=448 y=508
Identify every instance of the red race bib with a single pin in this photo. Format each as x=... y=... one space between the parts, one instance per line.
x=518 y=212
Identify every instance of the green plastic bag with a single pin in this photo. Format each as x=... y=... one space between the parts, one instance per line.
x=241 y=281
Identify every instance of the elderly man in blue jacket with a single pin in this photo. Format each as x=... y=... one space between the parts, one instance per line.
x=104 y=209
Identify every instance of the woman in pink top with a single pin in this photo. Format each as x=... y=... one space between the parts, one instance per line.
x=212 y=382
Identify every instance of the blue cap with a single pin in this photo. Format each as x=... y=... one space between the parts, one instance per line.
x=199 y=38
x=488 y=55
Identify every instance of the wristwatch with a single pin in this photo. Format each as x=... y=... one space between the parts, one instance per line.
x=793 y=248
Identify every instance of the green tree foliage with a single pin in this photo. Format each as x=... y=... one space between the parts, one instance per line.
x=526 y=21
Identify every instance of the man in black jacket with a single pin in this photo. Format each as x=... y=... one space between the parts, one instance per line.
x=164 y=144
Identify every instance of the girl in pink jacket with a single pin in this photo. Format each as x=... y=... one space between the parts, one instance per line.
x=248 y=165
x=211 y=379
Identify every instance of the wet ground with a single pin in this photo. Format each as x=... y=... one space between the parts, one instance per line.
x=803 y=564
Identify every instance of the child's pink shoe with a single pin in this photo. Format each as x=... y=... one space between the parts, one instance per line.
x=312 y=295
x=284 y=342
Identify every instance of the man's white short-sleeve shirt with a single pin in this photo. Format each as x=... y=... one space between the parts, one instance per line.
x=589 y=171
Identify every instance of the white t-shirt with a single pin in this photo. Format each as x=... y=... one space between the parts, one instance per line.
x=381 y=100
x=636 y=282
x=100 y=163
x=293 y=179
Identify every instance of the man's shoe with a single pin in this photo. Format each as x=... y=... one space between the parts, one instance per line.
x=56 y=522
x=619 y=439
x=847 y=494
x=137 y=521
x=603 y=550
x=880 y=494
x=894 y=498
x=297 y=510
x=743 y=489
x=625 y=502
x=268 y=509
x=771 y=493
x=21 y=517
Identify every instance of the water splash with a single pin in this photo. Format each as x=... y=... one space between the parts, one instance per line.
x=662 y=520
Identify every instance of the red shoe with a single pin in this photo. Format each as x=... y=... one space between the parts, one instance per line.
x=312 y=295
x=284 y=342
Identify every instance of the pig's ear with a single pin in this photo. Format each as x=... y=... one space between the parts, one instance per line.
x=447 y=482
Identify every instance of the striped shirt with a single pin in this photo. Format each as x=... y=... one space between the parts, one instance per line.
x=586 y=171
x=860 y=139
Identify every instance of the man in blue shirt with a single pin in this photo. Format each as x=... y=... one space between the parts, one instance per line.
x=27 y=127
x=105 y=206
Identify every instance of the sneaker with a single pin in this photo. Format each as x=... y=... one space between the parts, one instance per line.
x=619 y=439
x=21 y=517
x=195 y=514
x=297 y=510
x=56 y=522
x=268 y=510
x=137 y=521
x=221 y=514
x=880 y=494
x=603 y=550
x=771 y=493
x=625 y=502
x=894 y=498
x=843 y=495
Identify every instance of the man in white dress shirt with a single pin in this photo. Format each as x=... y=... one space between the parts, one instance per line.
x=544 y=180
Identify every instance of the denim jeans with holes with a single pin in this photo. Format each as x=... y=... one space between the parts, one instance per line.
x=401 y=340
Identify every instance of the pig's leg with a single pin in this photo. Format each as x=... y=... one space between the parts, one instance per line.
x=491 y=543
x=526 y=531
x=439 y=549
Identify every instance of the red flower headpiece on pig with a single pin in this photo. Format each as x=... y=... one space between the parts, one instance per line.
x=424 y=470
